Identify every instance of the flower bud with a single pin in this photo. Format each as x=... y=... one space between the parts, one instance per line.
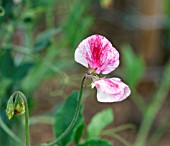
x=15 y=105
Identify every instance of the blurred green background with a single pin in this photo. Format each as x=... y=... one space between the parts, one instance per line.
x=37 y=43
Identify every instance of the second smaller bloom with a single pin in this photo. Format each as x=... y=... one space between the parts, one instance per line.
x=111 y=89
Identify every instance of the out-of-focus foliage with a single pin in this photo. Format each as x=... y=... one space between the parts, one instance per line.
x=133 y=69
x=133 y=66
x=78 y=22
x=152 y=110
x=10 y=70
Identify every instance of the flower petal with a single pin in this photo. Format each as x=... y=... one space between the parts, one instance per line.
x=111 y=90
x=97 y=52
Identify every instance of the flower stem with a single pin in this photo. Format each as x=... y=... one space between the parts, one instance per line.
x=26 y=123
x=26 y=118
x=74 y=118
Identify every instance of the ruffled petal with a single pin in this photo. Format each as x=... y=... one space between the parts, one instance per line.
x=98 y=53
x=111 y=90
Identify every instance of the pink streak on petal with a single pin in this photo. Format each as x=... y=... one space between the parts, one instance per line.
x=99 y=53
x=111 y=90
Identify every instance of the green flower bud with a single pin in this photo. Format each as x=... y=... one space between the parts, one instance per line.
x=15 y=105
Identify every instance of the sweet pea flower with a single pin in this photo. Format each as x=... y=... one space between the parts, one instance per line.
x=98 y=55
x=111 y=90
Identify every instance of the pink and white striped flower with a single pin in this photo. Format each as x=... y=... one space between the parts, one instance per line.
x=99 y=56
x=97 y=53
x=111 y=89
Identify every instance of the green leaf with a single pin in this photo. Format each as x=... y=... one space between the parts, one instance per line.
x=79 y=133
x=64 y=117
x=6 y=64
x=21 y=71
x=43 y=40
x=133 y=66
x=99 y=122
x=9 y=70
x=96 y=142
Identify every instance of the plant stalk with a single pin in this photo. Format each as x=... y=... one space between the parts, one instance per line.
x=74 y=118
x=27 y=140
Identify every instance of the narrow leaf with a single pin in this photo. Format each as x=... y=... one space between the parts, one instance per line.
x=133 y=66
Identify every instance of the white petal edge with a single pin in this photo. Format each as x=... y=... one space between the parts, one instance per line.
x=105 y=95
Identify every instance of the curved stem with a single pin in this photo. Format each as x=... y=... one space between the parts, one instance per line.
x=74 y=118
x=26 y=122
x=26 y=118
